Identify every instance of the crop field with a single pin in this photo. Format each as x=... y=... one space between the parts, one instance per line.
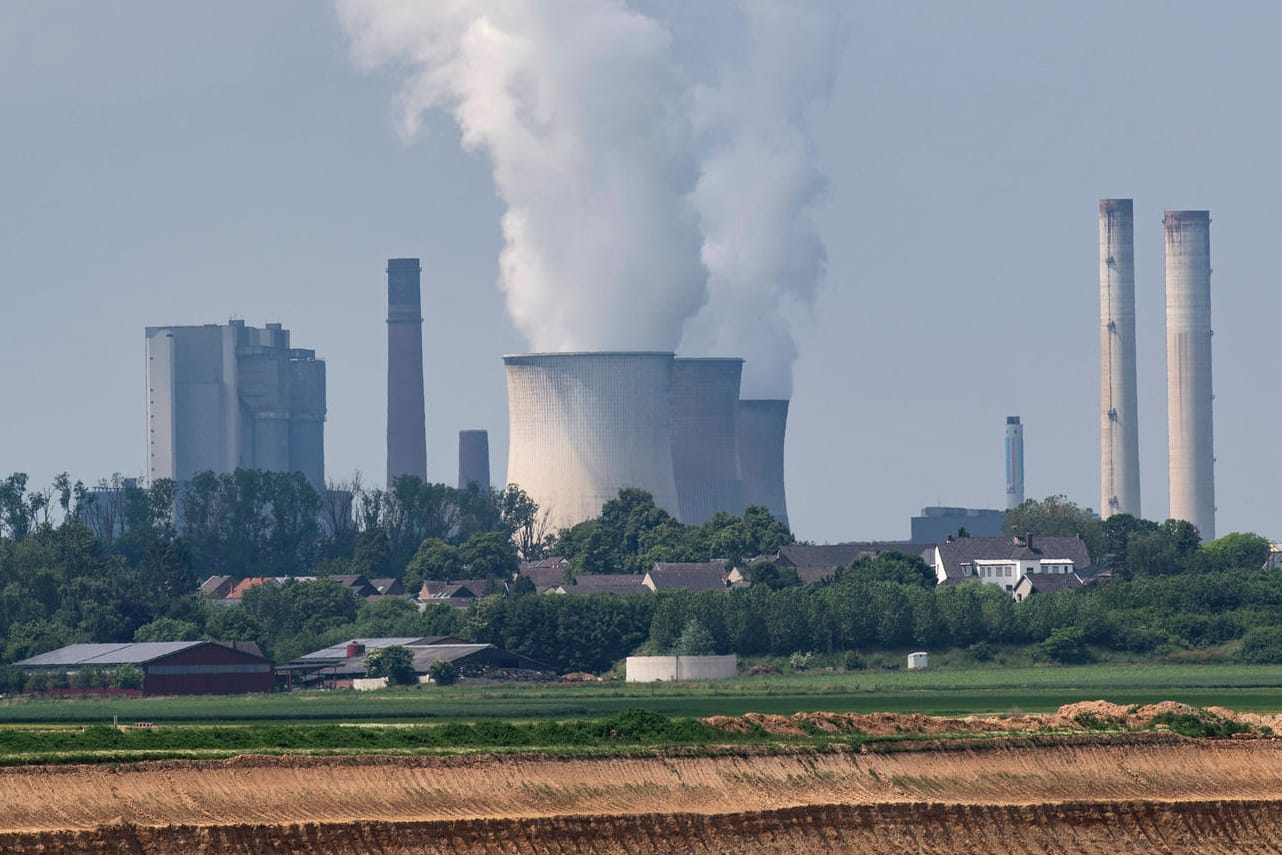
x=935 y=692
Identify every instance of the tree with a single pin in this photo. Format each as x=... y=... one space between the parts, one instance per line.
x=527 y=525
x=167 y=629
x=769 y=574
x=396 y=663
x=126 y=676
x=443 y=672
x=695 y=640
x=1235 y=551
x=489 y=554
x=435 y=559
x=1056 y=516
x=1066 y=645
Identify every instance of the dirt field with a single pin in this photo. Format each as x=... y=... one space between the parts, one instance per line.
x=1168 y=794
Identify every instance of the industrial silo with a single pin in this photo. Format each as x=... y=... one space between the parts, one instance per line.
x=705 y=437
x=582 y=426
x=762 y=425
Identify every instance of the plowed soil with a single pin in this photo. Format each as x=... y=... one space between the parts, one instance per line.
x=1160 y=793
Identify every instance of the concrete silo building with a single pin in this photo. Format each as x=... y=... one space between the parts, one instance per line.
x=1119 y=406
x=474 y=459
x=1191 y=454
x=1014 y=462
x=705 y=438
x=762 y=427
x=406 y=415
x=582 y=426
x=221 y=398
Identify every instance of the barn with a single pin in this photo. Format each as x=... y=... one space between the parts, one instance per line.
x=168 y=667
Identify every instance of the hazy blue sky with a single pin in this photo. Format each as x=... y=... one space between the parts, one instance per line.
x=183 y=163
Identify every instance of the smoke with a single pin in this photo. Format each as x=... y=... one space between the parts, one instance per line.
x=652 y=155
x=759 y=184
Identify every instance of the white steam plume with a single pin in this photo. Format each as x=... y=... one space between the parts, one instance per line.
x=653 y=156
x=586 y=118
x=758 y=187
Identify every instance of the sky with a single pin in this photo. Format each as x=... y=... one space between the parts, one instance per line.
x=166 y=163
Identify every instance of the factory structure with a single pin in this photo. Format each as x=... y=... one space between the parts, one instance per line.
x=231 y=396
x=1190 y=446
x=406 y=409
x=583 y=426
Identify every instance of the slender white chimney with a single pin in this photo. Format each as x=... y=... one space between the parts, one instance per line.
x=1191 y=454
x=1119 y=407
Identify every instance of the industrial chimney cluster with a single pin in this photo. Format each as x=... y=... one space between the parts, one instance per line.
x=1190 y=452
x=585 y=425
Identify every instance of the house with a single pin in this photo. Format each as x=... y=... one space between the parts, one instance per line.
x=169 y=667
x=457 y=592
x=238 y=590
x=690 y=576
x=358 y=585
x=1005 y=560
x=1045 y=583
x=815 y=563
x=601 y=583
x=544 y=573
x=217 y=587
x=392 y=587
x=338 y=665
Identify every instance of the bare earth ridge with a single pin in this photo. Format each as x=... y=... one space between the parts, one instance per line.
x=1162 y=793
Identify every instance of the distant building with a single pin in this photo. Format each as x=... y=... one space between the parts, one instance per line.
x=938 y=523
x=168 y=667
x=340 y=665
x=690 y=576
x=1005 y=560
x=588 y=584
x=815 y=563
x=221 y=398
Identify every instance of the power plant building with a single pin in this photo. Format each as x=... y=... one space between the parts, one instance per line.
x=583 y=426
x=406 y=412
x=474 y=460
x=221 y=398
x=1191 y=454
x=705 y=437
x=937 y=524
x=1119 y=407
x=1014 y=462
x=762 y=428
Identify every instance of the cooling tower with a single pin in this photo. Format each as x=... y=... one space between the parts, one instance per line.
x=406 y=421
x=582 y=426
x=1119 y=408
x=1190 y=455
x=474 y=459
x=1014 y=462
x=762 y=425
x=705 y=438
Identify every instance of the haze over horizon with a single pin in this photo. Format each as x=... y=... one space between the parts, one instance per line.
x=183 y=164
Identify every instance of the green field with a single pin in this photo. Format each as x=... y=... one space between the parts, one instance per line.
x=935 y=692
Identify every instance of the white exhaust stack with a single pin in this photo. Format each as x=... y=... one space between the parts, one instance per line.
x=1119 y=407
x=1191 y=453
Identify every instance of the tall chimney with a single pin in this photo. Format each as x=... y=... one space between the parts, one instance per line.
x=406 y=423
x=1119 y=408
x=1014 y=462
x=474 y=459
x=1190 y=450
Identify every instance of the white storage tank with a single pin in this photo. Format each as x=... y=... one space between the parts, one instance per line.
x=918 y=661
x=655 y=669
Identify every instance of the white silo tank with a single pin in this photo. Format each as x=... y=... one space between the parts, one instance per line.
x=705 y=437
x=583 y=426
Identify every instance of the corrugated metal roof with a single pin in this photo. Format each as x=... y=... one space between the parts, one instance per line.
x=107 y=654
x=339 y=651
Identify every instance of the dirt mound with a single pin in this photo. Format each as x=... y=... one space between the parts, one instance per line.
x=1079 y=827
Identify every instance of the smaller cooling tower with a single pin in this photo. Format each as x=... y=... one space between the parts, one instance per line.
x=762 y=425
x=705 y=437
x=474 y=459
x=583 y=426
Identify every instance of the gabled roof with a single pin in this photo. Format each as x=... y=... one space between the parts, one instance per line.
x=967 y=550
x=89 y=655
x=390 y=585
x=338 y=652
x=604 y=583
x=216 y=586
x=438 y=589
x=1049 y=583
x=832 y=556
x=245 y=584
x=544 y=575
x=692 y=576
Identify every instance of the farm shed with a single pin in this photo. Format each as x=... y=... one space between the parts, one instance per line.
x=168 y=667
